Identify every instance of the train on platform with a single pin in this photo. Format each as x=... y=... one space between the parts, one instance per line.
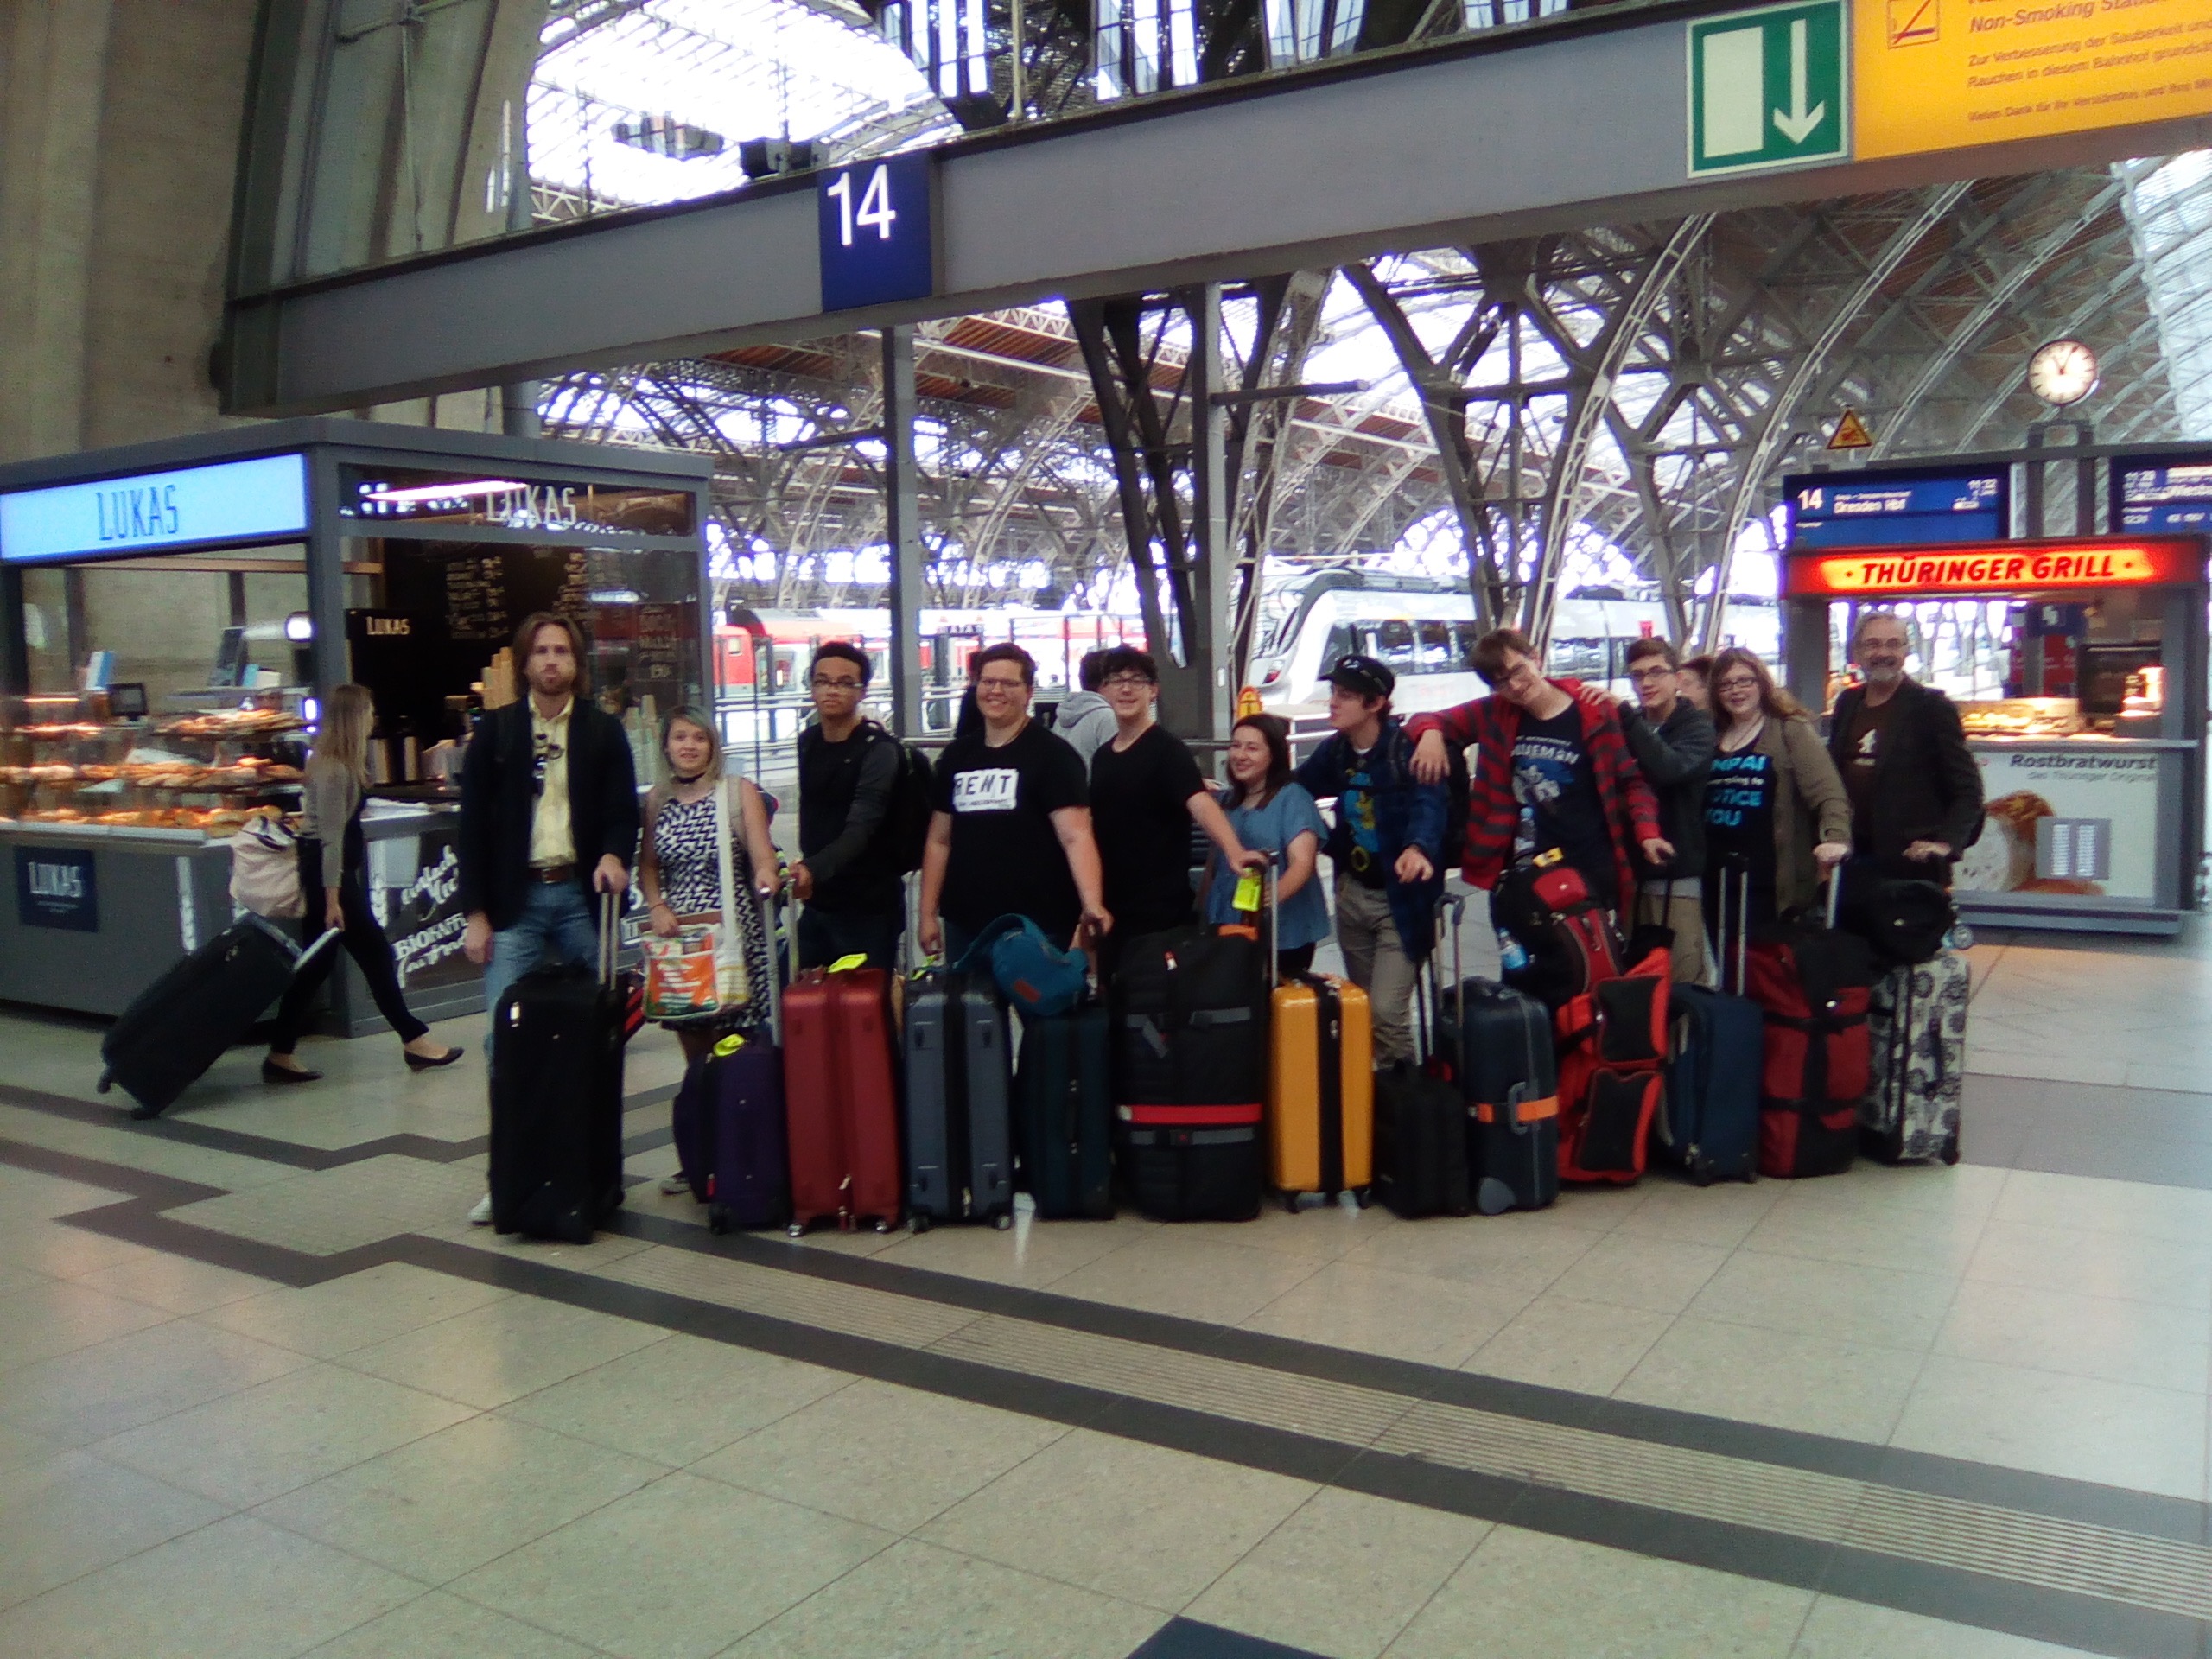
x=1424 y=628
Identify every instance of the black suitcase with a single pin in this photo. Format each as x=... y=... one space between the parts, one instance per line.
x=179 y=1024
x=1422 y=1165
x=1497 y=1045
x=958 y=1111
x=556 y=1097
x=1065 y=1115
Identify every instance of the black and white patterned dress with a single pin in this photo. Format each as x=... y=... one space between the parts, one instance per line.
x=690 y=885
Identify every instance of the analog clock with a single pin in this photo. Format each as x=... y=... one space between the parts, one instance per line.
x=2062 y=372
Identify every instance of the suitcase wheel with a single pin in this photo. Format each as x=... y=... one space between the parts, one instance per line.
x=919 y=1223
x=1363 y=1196
x=1003 y=1221
x=1700 y=1171
x=106 y=1082
x=1950 y=1154
x=1290 y=1202
x=797 y=1229
x=717 y=1219
x=883 y=1225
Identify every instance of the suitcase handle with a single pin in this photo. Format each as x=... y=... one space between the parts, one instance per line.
x=1275 y=928
x=768 y=918
x=610 y=931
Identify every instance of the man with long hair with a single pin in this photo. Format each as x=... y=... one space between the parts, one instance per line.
x=549 y=819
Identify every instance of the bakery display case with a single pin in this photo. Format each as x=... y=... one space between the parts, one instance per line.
x=172 y=616
x=2078 y=670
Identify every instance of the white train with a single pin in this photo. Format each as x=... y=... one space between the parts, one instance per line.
x=1426 y=631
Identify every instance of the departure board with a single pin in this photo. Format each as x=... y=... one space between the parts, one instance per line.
x=2152 y=494
x=1898 y=506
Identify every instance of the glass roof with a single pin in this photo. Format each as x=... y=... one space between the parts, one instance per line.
x=733 y=69
x=2170 y=207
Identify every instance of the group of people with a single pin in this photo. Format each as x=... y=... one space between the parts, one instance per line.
x=1709 y=781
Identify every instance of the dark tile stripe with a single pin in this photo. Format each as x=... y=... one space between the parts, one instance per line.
x=1185 y=1638
x=1943 y=1592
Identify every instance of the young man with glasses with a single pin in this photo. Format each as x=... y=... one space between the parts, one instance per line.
x=1672 y=741
x=549 y=819
x=1145 y=791
x=1553 y=771
x=1010 y=831
x=847 y=879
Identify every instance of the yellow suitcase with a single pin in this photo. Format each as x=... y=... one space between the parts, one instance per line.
x=1321 y=1117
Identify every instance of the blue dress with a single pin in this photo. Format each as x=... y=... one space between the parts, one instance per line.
x=1271 y=829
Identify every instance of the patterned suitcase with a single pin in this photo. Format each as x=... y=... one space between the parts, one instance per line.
x=1917 y=1028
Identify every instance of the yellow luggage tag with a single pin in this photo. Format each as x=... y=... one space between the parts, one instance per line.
x=728 y=1046
x=846 y=964
x=1247 y=892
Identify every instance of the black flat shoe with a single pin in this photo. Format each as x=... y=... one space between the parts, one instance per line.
x=272 y=1072
x=416 y=1063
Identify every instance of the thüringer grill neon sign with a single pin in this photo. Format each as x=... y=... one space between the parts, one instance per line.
x=1998 y=566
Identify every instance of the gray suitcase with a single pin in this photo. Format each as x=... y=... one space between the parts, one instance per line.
x=958 y=1089
x=1917 y=1030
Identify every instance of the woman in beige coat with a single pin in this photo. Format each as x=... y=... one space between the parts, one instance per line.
x=1776 y=812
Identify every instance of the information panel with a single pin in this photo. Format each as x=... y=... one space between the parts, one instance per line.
x=1901 y=506
x=2165 y=492
x=2074 y=819
x=1948 y=74
x=877 y=242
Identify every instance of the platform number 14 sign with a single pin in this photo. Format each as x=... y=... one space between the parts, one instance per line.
x=1768 y=88
x=875 y=235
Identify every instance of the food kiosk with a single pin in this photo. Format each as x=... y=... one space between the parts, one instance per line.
x=2078 y=666
x=172 y=615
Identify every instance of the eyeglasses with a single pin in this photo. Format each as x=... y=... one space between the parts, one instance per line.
x=820 y=684
x=1660 y=671
x=1740 y=682
x=1123 y=682
x=1001 y=685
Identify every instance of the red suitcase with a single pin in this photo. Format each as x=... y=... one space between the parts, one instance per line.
x=841 y=1100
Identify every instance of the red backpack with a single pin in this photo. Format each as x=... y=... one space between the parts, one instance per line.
x=1613 y=1042
x=1547 y=907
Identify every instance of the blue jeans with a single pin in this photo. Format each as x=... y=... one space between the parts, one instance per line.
x=556 y=925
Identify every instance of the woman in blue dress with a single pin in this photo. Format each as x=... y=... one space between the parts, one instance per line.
x=1272 y=814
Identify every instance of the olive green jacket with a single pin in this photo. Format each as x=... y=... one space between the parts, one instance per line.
x=1810 y=806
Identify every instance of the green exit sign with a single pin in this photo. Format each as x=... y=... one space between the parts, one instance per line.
x=1769 y=88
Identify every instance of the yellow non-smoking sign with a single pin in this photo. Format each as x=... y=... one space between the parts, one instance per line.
x=1950 y=74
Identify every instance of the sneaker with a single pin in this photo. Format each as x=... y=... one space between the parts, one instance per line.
x=482 y=1215
x=673 y=1185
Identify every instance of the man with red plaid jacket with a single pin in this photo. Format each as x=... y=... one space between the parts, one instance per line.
x=1552 y=769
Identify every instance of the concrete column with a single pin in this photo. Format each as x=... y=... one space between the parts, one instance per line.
x=902 y=531
x=1207 y=700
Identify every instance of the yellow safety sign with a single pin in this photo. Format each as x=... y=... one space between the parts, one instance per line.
x=1850 y=432
x=1247 y=701
x=1952 y=75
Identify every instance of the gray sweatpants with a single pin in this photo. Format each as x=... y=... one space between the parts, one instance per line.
x=1375 y=961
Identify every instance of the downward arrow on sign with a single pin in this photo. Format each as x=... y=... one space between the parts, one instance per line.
x=1797 y=124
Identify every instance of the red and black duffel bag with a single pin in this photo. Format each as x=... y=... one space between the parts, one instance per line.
x=1813 y=984
x=1613 y=1043
x=1547 y=907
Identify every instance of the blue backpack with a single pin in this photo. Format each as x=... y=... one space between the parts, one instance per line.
x=1032 y=973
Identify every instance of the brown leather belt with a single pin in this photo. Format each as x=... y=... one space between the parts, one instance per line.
x=549 y=873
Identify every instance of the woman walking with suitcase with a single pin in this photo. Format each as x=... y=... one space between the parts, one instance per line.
x=1776 y=812
x=337 y=895
x=1271 y=812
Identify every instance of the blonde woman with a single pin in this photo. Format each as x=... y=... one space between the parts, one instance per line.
x=337 y=785
x=679 y=871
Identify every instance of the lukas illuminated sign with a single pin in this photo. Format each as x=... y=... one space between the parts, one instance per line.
x=1998 y=566
x=227 y=501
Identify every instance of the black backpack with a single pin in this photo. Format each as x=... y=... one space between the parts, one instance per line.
x=906 y=826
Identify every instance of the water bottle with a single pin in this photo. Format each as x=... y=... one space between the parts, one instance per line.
x=1512 y=955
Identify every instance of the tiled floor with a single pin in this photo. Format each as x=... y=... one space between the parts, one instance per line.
x=263 y=1391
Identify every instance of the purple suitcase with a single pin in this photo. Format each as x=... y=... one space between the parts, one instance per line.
x=729 y=1134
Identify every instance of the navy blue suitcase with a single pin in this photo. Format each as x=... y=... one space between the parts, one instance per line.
x=1063 y=1119
x=1709 y=1123
x=959 y=1122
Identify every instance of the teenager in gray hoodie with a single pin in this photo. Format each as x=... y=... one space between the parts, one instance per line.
x=1085 y=720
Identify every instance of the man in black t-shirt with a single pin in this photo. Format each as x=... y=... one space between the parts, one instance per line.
x=1145 y=790
x=850 y=771
x=1010 y=833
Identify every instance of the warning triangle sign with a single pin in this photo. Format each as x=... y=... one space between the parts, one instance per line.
x=1850 y=432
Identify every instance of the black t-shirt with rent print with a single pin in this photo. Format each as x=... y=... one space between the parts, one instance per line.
x=1006 y=857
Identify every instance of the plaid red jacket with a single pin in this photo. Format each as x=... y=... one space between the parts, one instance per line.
x=1490 y=724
